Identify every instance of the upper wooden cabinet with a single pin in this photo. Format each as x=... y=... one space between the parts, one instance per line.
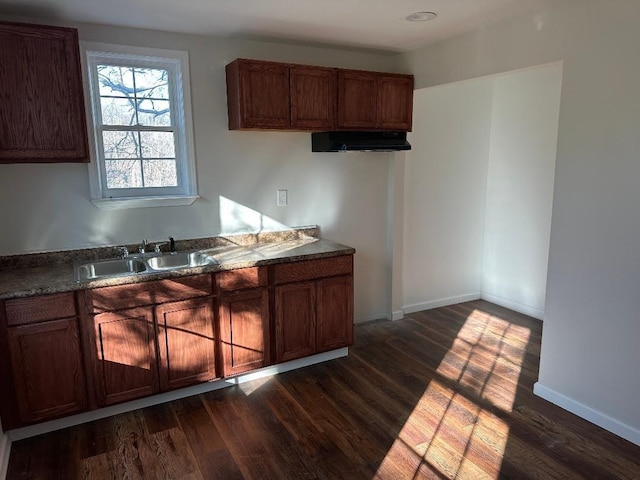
x=270 y=95
x=258 y=95
x=42 y=118
x=313 y=97
x=281 y=96
x=374 y=101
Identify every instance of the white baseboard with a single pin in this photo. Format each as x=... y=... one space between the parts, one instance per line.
x=594 y=416
x=443 y=302
x=45 y=427
x=5 y=449
x=396 y=315
x=518 y=307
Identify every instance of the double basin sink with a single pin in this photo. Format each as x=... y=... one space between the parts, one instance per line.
x=132 y=265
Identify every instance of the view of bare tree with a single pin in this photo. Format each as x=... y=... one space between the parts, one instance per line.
x=137 y=136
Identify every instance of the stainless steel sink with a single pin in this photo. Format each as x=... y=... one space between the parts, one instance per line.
x=180 y=260
x=119 y=267
x=110 y=268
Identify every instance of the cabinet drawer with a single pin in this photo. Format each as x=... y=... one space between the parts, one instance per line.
x=23 y=311
x=243 y=278
x=312 y=269
x=148 y=293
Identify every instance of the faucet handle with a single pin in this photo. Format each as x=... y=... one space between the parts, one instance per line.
x=124 y=251
x=156 y=247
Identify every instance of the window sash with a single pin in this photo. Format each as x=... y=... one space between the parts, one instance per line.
x=185 y=181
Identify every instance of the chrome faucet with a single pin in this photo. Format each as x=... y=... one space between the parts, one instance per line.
x=172 y=246
x=143 y=246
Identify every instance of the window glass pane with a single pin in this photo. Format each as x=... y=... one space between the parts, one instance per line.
x=154 y=112
x=123 y=173
x=115 y=81
x=120 y=144
x=160 y=173
x=152 y=83
x=157 y=145
x=118 y=111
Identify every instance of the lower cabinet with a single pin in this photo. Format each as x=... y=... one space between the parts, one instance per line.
x=186 y=342
x=66 y=353
x=244 y=331
x=295 y=321
x=124 y=355
x=151 y=347
x=315 y=315
x=41 y=369
x=334 y=313
x=47 y=370
x=244 y=320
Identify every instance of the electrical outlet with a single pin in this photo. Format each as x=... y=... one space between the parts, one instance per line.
x=281 y=198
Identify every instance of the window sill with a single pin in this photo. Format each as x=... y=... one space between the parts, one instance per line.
x=143 y=202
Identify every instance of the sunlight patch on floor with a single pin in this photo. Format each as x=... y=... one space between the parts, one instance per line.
x=448 y=433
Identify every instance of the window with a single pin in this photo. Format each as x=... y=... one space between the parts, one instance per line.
x=141 y=127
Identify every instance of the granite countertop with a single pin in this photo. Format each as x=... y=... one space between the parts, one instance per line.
x=23 y=276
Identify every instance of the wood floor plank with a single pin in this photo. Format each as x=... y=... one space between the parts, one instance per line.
x=442 y=394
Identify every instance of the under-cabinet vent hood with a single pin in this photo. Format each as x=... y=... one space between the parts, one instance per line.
x=359 y=141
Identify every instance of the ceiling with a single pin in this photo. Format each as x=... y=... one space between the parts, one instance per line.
x=370 y=24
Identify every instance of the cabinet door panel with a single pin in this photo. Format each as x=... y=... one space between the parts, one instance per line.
x=186 y=343
x=313 y=97
x=47 y=369
x=125 y=355
x=42 y=117
x=265 y=95
x=335 y=313
x=395 y=102
x=357 y=99
x=244 y=331
x=295 y=321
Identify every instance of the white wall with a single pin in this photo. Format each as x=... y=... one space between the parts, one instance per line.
x=522 y=158
x=589 y=357
x=47 y=207
x=445 y=192
x=478 y=191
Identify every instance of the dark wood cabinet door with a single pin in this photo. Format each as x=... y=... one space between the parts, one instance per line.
x=186 y=342
x=334 y=313
x=313 y=97
x=244 y=330
x=395 y=102
x=357 y=100
x=258 y=95
x=42 y=118
x=295 y=322
x=47 y=370
x=124 y=355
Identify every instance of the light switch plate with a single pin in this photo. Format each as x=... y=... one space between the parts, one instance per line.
x=281 y=198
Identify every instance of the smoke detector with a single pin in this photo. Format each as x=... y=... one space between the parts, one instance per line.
x=421 y=16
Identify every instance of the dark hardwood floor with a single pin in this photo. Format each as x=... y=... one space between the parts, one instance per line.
x=445 y=393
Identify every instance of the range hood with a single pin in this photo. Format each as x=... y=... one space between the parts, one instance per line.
x=359 y=141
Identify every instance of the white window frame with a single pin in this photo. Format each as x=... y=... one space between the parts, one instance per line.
x=177 y=63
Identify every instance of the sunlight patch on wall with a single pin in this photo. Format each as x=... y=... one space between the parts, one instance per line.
x=238 y=218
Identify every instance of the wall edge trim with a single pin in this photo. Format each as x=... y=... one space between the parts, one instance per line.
x=511 y=305
x=442 y=302
x=588 y=413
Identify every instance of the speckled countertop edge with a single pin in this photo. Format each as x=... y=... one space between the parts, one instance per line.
x=18 y=281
